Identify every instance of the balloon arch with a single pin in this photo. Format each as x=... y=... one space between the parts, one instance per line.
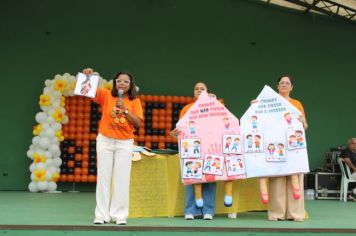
x=45 y=148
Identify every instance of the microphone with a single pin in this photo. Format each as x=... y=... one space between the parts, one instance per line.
x=121 y=94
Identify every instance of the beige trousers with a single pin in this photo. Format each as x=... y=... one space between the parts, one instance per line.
x=113 y=178
x=282 y=205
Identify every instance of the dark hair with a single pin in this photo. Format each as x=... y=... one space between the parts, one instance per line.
x=288 y=76
x=132 y=90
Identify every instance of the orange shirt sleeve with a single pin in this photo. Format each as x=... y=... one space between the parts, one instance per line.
x=298 y=105
x=137 y=108
x=185 y=109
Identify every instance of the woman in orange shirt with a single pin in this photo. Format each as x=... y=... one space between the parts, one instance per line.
x=121 y=114
x=286 y=195
x=204 y=194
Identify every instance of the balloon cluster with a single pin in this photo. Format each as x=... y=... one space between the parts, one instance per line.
x=45 y=148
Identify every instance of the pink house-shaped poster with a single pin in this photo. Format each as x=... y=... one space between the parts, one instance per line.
x=210 y=145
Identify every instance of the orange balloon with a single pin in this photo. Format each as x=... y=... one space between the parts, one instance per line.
x=92 y=136
x=85 y=150
x=84 y=178
x=85 y=157
x=168 y=99
x=77 y=178
x=91 y=178
x=70 y=164
x=78 y=157
x=148 y=144
x=71 y=150
x=70 y=178
x=85 y=164
x=85 y=171
x=77 y=171
x=161 y=145
x=63 y=178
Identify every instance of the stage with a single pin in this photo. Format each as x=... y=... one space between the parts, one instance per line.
x=25 y=213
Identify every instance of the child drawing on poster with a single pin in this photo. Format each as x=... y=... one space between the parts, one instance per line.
x=254 y=122
x=192 y=169
x=254 y=142
x=288 y=118
x=258 y=143
x=213 y=164
x=207 y=163
x=196 y=147
x=300 y=139
x=296 y=139
x=275 y=152
x=236 y=147
x=231 y=144
x=226 y=144
x=192 y=127
x=226 y=123
x=190 y=148
x=234 y=166
x=249 y=143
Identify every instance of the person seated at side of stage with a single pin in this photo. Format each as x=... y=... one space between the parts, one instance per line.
x=349 y=156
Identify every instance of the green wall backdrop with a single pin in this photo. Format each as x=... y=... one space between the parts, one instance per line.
x=235 y=46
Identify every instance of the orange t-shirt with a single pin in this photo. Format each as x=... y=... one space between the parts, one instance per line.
x=107 y=126
x=185 y=109
x=298 y=105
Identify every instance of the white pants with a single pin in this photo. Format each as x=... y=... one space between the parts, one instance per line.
x=113 y=178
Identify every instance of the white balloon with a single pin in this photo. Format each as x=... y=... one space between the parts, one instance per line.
x=48 y=83
x=48 y=175
x=36 y=140
x=30 y=153
x=48 y=154
x=58 y=170
x=52 y=169
x=57 y=126
x=57 y=77
x=52 y=186
x=53 y=148
x=32 y=167
x=44 y=142
x=48 y=132
x=43 y=185
x=40 y=166
x=57 y=94
x=41 y=117
x=49 y=162
x=57 y=161
x=33 y=187
x=32 y=177
x=56 y=103
x=65 y=120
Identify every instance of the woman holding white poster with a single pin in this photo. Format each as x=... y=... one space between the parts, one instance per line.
x=286 y=196
x=121 y=114
x=196 y=194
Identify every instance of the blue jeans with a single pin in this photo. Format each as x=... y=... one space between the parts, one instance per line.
x=208 y=193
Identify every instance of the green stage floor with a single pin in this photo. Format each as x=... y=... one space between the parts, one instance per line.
x=69 y=212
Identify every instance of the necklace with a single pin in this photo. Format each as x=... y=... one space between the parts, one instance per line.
x=118 y=115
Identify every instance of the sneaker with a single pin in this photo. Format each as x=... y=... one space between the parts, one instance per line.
x=232 y=215
x=189 y=217
x=98 y=221
x=121 y=222
x=207 y=217
x=353 y=197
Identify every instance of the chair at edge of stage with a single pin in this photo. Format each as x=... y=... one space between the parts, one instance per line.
x=345 y=179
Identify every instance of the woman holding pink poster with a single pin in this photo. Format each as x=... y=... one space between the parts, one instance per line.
x=198 y=193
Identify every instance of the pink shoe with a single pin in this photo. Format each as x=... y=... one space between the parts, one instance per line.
x=296 y=194
x=264 y=198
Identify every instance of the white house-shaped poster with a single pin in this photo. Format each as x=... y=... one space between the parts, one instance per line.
x=274 y=138
x=210 y=145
